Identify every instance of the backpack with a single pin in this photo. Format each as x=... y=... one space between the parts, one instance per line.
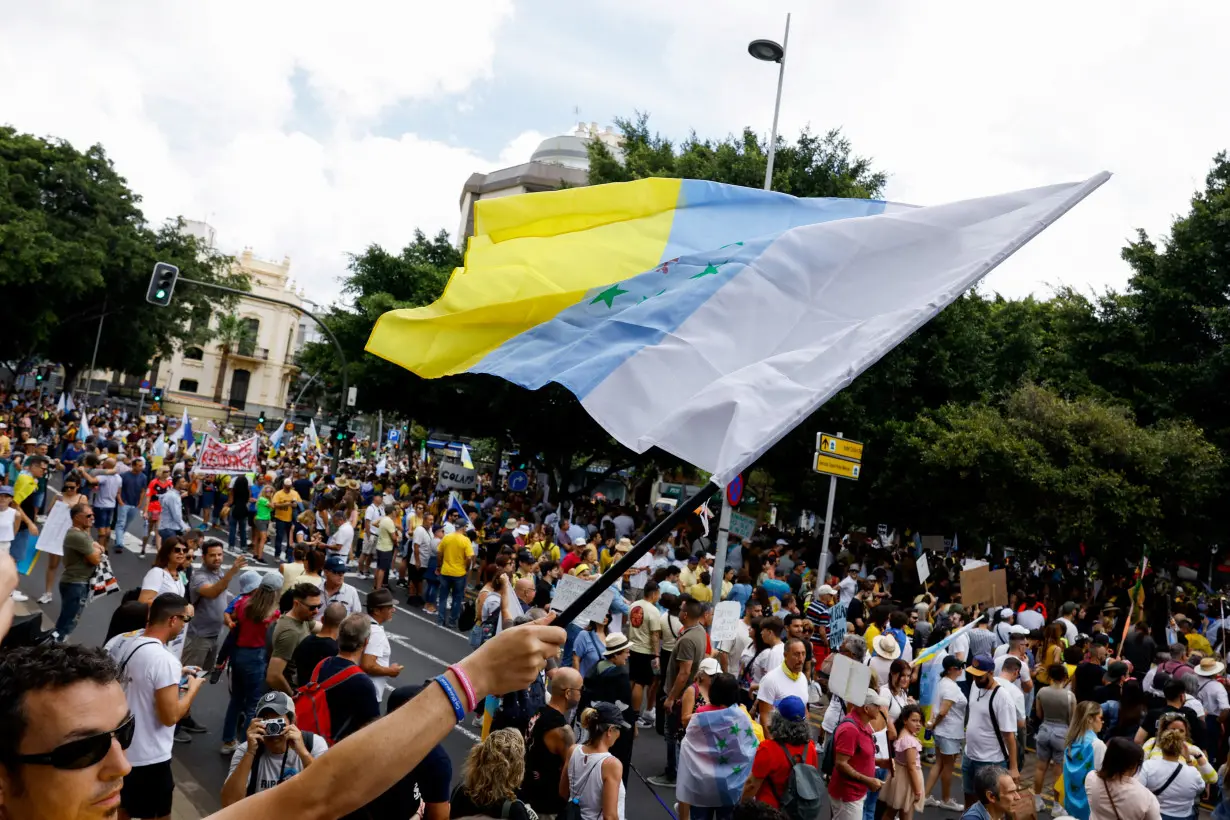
x=804 y=787
x=312 y=705
x=828 y=761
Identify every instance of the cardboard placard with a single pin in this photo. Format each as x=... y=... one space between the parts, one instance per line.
x=456 y=477
x=933 y=543
x=999 y=587
x=976 y=586
x=924 y=569
x=849 y=680
x=743 y=526
x=725 y=621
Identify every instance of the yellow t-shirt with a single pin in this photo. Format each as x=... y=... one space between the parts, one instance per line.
x=5 y=445
x=285 y=497
x=700 y=592
x=871 y=634
x=386 y=532
x=1198 y=643
x=687 y=578
x=455 y=549
x=552 y=554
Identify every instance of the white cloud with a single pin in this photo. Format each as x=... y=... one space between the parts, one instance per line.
x=195 y=104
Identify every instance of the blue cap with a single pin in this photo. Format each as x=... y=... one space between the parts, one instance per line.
x=981 y=665
x=249 y=580
x=792 y=709
x=6 y=490
x=335 y=563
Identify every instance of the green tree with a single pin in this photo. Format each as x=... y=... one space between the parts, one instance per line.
x=232 y=333
x=70 y=226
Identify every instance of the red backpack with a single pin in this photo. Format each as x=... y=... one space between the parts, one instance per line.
x=312 y=706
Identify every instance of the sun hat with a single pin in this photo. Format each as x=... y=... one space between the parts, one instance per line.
x=272 y=580
x=886 y=647
x=617 y=642
x=249 y=580
x=623 y=545
x=1209 y=667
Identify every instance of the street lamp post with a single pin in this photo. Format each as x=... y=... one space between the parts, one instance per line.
x=771 y=52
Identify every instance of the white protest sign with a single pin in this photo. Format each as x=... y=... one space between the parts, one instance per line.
x=743 y=526
x=570 y=588
x=725 y=621
x=151 y=419
x=924 y=569
x=51 y=533
x=849 y=680
x=456 y=477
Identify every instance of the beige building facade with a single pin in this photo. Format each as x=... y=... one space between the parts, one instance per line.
x=259 y=373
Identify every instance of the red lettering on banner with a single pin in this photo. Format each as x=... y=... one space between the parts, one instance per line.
x=216 y=457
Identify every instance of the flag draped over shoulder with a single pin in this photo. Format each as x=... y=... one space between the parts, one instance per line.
x=715 y=757
x=702 y=318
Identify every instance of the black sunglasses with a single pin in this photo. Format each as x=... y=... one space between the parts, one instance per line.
x=79 y=754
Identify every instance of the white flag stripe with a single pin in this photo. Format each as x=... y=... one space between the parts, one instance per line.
x=821 y=304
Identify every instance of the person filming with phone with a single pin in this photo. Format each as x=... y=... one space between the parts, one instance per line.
x=274 y=751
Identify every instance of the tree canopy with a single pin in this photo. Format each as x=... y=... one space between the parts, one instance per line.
x=74 y=247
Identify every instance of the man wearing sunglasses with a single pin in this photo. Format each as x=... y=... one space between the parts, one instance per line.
x=289 y=631
x=151 y=676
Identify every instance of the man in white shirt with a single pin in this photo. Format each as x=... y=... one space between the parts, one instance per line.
x=336 y=590
x=343 y=536
x=1008 y=676
x=624 y=524
x=779 y=682
x=988 y=708
x=377 y=656
x=1209 y=691
x=367 y=551
x=848 y=587
x=152 y=677
x=1069 y=628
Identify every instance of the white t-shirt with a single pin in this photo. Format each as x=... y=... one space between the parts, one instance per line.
x=623 y=525
x=7 y=520
x=735 y=648
x=1018 y=697
x=378 y=646
x=761 y=665
x=960 y=648
x=341 y=539
x=847 y=589
x=372 y=516
x=160 y=581
x=1212 y=696
x=953 y=724
x=276 y=768
x=423 y=545
x=1180 y=796
x=1070 y=630
x=776 y=685
x=1023 y=677
x=643 y=565
x=1031 y=619
x=148 y=669
x=346 y=594
x=981 y=744
x=895 y=702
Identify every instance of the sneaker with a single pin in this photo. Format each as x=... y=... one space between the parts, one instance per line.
x=229 y=747
x=190 y=725
x=45 y=598
x=952 y=805
x=182 y=737
x=1039 y=803
x=644 y=721
x=19 y=596
x=932 y=802
x=662 y=781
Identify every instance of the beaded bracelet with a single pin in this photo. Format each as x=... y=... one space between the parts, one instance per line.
x=451 y=693
x=466 y=686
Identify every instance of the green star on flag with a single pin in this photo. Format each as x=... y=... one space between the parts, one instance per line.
x=723 y=760
x=721 y=744
x=736 y=769
x=710 y=269
x=608 y=295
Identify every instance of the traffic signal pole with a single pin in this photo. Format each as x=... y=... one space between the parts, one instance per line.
x=336 y=345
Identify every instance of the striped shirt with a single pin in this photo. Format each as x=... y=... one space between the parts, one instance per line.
x=981 y=642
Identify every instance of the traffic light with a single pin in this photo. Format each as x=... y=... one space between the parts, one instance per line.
x=38 y=375
x=162 y=284
x=261 y=418
x=158 y=394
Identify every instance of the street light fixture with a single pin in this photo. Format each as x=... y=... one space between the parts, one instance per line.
x=770 y=52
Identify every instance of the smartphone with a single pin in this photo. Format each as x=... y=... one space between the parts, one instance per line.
x=275 y=727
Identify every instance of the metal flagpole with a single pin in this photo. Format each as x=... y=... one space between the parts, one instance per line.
x=777 y=107
x=89 y=382
x=719 y=562
x=828 y=528
x=651 y=539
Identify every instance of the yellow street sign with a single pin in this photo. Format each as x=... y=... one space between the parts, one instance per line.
x=840 y=467
x=841 y=447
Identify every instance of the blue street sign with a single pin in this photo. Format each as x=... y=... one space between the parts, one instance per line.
x=734 y=490
x=518 y=482
x=393 y=436
x=145 y=384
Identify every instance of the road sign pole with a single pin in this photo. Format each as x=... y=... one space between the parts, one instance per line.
x=828 y=528
x=719 y=563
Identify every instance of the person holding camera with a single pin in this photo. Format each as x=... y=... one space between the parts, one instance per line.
x=274 y=751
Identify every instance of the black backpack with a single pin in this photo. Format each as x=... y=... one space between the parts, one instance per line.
x=829 y=761
x=804 y=791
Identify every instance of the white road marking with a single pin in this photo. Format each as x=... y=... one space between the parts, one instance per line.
x=405 y=643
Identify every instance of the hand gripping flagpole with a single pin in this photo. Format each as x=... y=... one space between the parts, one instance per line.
x=652 y=538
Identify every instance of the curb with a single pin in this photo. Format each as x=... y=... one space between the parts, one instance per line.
x=192 y=800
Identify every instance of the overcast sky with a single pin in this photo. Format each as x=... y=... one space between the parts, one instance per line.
x=311 y=129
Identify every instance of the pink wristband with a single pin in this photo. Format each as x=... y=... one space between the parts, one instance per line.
x=466 y=686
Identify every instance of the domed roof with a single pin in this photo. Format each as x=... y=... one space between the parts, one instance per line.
x=567 y=150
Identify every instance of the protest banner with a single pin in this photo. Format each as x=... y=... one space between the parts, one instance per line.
x=456 y=477
x=744 y=526
x=725 y=621
x=570 y=588
x=216 y=458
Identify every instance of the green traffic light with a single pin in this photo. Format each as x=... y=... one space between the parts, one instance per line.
x=160 y=294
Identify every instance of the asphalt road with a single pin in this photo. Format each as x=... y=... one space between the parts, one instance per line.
x=419 y=644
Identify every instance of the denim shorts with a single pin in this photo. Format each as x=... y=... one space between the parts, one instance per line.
x=948 y=745
x=970 y=768
x=1049 y=742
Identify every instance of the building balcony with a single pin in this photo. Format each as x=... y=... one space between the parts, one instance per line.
x=252 y=354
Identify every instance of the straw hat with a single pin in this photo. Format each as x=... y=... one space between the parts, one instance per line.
x=886 y=647
x=1209 y=667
